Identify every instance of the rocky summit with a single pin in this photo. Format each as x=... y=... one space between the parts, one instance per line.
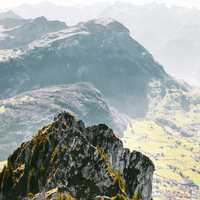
x=66 y=160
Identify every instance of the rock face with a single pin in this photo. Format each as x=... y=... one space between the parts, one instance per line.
x=85 y=162
x=24 y=114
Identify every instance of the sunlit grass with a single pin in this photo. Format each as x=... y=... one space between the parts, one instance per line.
x=2 y=109
x=2 y=164
x=173 y=155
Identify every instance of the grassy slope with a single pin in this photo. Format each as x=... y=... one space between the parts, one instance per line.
x=176 y=157
x=2 y=164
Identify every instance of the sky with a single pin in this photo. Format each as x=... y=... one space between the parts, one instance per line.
x=12 y=3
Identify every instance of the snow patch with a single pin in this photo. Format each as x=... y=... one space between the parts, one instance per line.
x=49 y=38
x=104 y=21
x=3 y=35
x=7 y=54
x=2 y=109
x=18 y=100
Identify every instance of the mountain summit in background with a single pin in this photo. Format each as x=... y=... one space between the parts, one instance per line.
x=101 y=52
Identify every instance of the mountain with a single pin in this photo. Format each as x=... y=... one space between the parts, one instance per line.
x=175 y=44
x=100 y=52
x=171 y=34
x=8 y=24
x=18 y=33
x=69 y=14
x=82 y=162
x=22 y=115
x=9 y=15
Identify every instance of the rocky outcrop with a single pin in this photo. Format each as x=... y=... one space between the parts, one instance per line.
x=67 y=158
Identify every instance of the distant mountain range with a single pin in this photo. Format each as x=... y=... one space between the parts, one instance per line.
x=171 y=34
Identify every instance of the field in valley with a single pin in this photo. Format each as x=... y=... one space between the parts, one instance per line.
x=176 y=158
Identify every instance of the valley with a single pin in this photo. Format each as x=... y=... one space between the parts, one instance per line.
x=176 y=158
x=169 y=135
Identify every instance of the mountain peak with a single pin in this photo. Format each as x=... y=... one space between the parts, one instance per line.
x=104 y=21
x=44 y=21
x=9 y=15
x=107 y=23
x=40 y=19
x=68 y=120
x=85 y=162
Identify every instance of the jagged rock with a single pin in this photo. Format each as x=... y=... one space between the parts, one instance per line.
x=85 y=162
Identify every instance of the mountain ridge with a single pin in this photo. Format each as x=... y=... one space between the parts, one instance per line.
x=9 y=15
x=18 y=33
x=77 y=52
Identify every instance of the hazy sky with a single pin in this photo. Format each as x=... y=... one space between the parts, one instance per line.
x=12 y=3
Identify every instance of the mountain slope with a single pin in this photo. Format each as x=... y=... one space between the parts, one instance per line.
x=176 y=159
x=22 y=115
x=20 y=32
x=171 y=34
x=99 y=51
x=174 y=23
x=87 y=163
x=9 y=15
x=169 y=135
